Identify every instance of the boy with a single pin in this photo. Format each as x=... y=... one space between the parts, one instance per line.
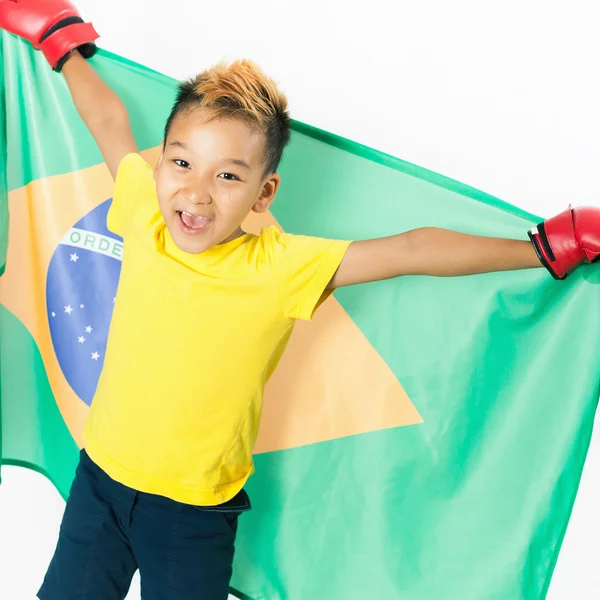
x=203 y=314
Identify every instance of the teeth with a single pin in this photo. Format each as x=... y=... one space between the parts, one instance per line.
x=194 y=216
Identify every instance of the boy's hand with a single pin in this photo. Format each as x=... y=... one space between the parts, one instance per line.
x=52 y=26
x=567 y=240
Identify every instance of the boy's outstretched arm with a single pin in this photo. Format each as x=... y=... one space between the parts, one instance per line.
x=102 y=111
x=560 y=244
x=56 y=28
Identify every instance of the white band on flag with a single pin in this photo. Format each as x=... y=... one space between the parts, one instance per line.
x=94 y=242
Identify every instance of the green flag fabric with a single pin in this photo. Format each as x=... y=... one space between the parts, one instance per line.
x=428 y=437
x=3 y=188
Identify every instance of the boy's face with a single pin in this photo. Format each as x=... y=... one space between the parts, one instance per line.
x=209 y=177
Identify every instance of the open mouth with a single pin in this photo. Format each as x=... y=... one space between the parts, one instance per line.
x=192 y=223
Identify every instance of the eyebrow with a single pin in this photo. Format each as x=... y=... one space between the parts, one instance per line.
x=232 y=161
x=238 y=162
x=178 y=144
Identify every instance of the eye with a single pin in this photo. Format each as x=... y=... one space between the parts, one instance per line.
x=181 y=163
x=229 y=177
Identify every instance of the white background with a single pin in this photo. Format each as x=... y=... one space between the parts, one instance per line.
x=502 y=96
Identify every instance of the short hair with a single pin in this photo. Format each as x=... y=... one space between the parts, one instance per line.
x=239 y=90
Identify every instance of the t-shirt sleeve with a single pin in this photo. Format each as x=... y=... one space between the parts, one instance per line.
x=134 y=183
x=303 y=266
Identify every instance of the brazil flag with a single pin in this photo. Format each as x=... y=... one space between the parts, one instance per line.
x=423 y=438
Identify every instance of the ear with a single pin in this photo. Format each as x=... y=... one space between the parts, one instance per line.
x=267 y=194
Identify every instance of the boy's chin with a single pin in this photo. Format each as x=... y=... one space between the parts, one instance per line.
x=201 y=241
x=191 y=244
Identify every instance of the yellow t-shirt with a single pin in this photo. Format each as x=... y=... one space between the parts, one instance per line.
x=193 y=339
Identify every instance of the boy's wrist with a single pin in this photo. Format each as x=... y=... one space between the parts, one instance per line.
x=72 y=58
x=68 y=37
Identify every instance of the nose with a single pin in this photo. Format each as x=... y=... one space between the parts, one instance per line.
x=197 y=195
x=197 y=187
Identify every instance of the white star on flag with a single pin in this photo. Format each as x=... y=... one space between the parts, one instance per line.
x=81 y=339
x=95 y=356
x=53 y=314
x=88 y=329
x=81 y=306
x=68 y=309
x=74 y=258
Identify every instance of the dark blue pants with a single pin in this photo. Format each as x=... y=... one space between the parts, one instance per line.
x=108 y=531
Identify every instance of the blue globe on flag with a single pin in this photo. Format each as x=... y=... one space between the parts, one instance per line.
x=80 y=294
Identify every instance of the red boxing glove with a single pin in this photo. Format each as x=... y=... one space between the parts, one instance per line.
x=567 y=240
x=52 y=26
